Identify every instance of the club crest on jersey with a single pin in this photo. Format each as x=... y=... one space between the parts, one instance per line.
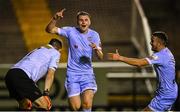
x=76 y=46
x=154 y=57
x=89 y=39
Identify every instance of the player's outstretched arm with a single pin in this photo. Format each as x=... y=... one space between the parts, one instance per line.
x=51 y=27
x=130 y=61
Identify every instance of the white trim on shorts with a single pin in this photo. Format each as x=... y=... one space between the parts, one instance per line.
x=77 y=94
x=94 y=89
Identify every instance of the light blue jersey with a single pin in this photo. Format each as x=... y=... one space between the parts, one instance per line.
x=79 y=59
x=37 y=62
x=167 y=91
x=80 y=52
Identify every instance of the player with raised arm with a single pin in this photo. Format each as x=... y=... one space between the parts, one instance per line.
x=83 y=42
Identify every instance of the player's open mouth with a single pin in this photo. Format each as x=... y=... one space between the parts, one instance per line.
x=83 y=26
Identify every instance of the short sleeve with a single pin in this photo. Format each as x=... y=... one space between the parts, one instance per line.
x=97 y=41
x=54 y=61
x=63 y=31
x=155 y=59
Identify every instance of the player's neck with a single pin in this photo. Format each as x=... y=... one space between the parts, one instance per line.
x=161 y=47
x=82 y=31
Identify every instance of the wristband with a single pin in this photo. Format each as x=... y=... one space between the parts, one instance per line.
x=45 y=93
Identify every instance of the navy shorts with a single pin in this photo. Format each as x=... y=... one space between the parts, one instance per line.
x=20 y=86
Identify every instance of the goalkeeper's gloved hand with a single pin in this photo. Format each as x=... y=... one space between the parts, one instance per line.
x=46 y=96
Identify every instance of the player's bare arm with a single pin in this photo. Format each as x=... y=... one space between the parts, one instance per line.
x=49 y=79
x=98 y=51
x=51 y=27
x=131 y=61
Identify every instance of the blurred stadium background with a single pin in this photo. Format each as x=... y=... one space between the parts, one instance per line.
x=122 y=24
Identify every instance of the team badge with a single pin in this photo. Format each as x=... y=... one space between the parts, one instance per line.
x=89 y=39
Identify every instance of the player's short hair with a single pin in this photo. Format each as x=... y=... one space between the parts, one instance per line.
x=161 y=35
x=83 y=13
x=55 y=43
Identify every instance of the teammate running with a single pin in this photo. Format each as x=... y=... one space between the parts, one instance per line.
x=164 y=65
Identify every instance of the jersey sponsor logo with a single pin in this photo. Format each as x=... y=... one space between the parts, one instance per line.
x=84 y=59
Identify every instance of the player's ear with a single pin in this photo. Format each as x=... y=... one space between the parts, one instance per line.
x=159 y=43
x=89 y=21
